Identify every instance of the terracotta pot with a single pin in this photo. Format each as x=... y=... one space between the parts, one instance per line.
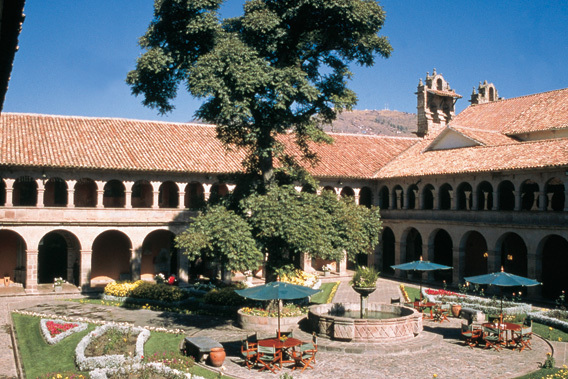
x=456 y=308
x=217 y=356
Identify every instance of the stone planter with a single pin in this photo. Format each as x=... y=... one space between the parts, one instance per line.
x=217 y=356
x=456 y=309
x=267 y=324
x=57 y=288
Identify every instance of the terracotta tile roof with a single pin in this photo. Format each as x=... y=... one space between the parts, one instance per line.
x=121 y=144
x=444 y=93
x=525 y=155
x=542 y=111
x=484 y=137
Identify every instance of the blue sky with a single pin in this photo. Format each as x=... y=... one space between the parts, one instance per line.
x=74 y=55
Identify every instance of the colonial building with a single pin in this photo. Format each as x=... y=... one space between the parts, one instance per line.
x=98 y=199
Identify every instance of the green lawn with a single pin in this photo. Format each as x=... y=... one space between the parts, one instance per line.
x=323 y=296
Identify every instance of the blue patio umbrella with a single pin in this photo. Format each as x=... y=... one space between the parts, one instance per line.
x=421 y=265
x=277 y=291
x=502 y=279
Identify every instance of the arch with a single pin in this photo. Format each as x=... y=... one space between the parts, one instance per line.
x=440 y=84
x=218 y=190
x=85 y=193
x=25 y=192
x=412 y=196
x=555 y=197
x=387 y=243
x=443 y=254
x=329 y=188
x=347 y=192
x=384 y=198
x=159 y=255
x=57 y=252
x=2 y=192
x=428 y=197
x=445 y=197
x=142 y=194
x=506 y=194
x=398 y=196
x=554 y=265
x=513 y=254
x=491 y=94
x=110 y=258
x=169 y=195
x=55 y=194
x=114 y=194
x=13 y=256
x=308 y=188
x=366 y=197
x=484 y=196
x=413 y=250
x=529 y=195
x=474 y=246
x=194 y=196
x=464 y=196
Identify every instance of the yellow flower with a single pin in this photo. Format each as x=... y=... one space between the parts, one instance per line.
x=550 y=328
x=435 y=376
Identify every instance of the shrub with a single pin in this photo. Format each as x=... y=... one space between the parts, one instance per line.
x=162 y=292
x=121 y=289
x=364 y=277
x=224 y=296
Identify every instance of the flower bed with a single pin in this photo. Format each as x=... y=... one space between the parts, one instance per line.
x=487 y=306
x=161 y=369
x=550 y=318
x=248 y=320
x=55 y=330
x=109 y=361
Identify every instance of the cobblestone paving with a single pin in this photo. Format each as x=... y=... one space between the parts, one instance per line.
x=438 y=350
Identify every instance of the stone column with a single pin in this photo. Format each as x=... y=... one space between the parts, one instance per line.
x=40 y=193
x=405 y=199
x=518 y=199
x=435 y=201
x=536 y=196
x=306 y=262
x=183 y=268
x=453 y=200
x=71 y=193
x=495 y=201
x=207 y=191
x=399 y=250
x=493 y=261
x=9 y=192
x=549 y=202
x=542 y=200
x=467 y=200
x=31 y=271
x=181 y=194
x=155 y=194
x=343 y=264
x=393 y=202
x=298 y=188
x=485 y=197
x=420 y=199
x=474 y=201
x=458 y=262
x=86 y=267
x=357 y=192
x=135 y=262
x=337 y=192
x=128 y=194
x=100 y=193
x=398 y=200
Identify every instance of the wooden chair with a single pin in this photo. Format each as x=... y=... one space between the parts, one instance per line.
x=305 y=355
x=441 y=313
x=471 y=335
x=268 y=357
x=492 y=338
x=522 y=338
x=249 y=352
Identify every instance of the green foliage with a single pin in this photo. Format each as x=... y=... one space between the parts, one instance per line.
x=162 y=292
x=549 y=361
x=224 y=296
x=220 y=234
x=282 y=65
x=364 y=277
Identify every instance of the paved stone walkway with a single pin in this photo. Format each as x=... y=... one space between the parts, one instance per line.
x=438 y=350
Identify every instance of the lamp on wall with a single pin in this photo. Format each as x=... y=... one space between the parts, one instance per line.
x=485 y=255
x=509 y=257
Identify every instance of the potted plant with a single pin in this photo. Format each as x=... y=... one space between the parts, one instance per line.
x=326 y=269
x=364 y=282
x=248 y=275
x=57 y=284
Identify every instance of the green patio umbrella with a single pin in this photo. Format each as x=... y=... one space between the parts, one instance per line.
x=277 y=291
x=502 y=279
x=421 y=265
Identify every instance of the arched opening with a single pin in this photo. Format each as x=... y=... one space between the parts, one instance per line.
x=111 y=258
x=443 y=254
x=169 y=195
x=159 y=255
x=445 y=197
x=384 y=198
x=476 y=255
x=25 y=192
x=55 y=194
x=85 y=193
x=554 y=266
x=514 y=254
x=347 y=192
x=52 y=258
x=366 y=197
x=308 y=188
x=529 y=196
x=484 y=196
x=387 y=243
x=506 y=191
x=491 y=94
x=194 y=198
x=413 y=197
x=114 y=194
x=142 y=194
x=217 y=192
x=13 y=256
x=440 y=84
x=2 y=193
x=555 y=195
x=428 y=197
x=464 y=197
x=413 y=250
x=398 y=195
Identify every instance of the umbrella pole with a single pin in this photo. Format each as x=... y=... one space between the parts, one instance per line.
x=278 y=318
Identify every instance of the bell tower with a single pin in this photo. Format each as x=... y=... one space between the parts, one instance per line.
x=486 y=93
x=436 y=103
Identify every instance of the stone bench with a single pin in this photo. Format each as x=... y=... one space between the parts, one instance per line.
x=199 y=347
x=472 y=315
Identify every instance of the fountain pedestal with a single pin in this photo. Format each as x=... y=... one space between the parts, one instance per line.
x=364 y=292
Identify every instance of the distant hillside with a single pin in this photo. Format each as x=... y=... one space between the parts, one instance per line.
x=385 y=122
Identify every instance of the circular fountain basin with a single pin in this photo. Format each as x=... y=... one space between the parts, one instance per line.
x=384 y=322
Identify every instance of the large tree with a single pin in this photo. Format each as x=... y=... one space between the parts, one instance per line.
x=283 y=65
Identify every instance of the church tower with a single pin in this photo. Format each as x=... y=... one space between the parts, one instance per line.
x=486 y=93
x=436 y=103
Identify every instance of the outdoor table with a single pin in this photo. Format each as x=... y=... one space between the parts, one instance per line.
x=420 y=306
x=506 y=328
x=280 y=346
